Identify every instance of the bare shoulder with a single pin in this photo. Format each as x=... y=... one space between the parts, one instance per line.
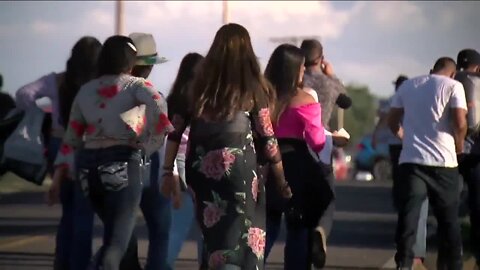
x=302 y=98
x=311 y=92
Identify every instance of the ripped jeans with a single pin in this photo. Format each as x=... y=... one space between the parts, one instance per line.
x=111 y=178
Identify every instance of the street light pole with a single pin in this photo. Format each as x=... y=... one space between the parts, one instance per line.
x=119 y=27
x=225 y=13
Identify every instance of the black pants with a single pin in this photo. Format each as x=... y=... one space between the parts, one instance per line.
x=111 y=178
x=441 y=185
x=326 y=221
x=395 y=150
x=470 y=169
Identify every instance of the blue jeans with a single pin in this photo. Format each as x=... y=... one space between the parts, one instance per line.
x=156 y=210
x=181 y=222
x=112 y=179
x=167 y=228
x=73 y=247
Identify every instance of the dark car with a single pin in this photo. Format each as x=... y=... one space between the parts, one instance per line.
x=373 y=160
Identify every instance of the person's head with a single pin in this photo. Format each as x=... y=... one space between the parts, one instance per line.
x=398 y=82
x=468 y=59
x=147 y=55
x=177 y=98
x=313 y=51
x=229 y=80
x=285 y=72
x=444 y=66
x=81 y=68
x=142 y=71
x=118 y=56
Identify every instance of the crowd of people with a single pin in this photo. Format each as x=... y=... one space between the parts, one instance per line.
x=232 y=150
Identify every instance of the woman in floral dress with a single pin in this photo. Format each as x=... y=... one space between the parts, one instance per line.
x=230 y=103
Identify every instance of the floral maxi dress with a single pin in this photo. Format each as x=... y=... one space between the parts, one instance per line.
x=221 y=169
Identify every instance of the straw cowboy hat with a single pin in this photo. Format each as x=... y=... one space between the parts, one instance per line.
x=146 y=50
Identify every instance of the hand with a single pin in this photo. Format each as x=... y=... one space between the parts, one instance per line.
x=53 y=193
x=339 y=140
x=171 y=189
x=177 y=193
x=327 y=68
x=285 y=191
x=167 y=185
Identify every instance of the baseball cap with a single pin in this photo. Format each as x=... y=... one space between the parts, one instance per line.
x=468 y=57
x=400 y=79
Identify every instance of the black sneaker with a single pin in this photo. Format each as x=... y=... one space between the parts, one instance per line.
x=319 y=248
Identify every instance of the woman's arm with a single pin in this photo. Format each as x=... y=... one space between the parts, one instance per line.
x=269 y=145
x=73 y=138
x=158 y=125
x=171 y=183
x=64 y=162
x=27 y=95
x=314 y=132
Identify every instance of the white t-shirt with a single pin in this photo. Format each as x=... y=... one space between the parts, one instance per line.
x=427 y=124
x=325 y=155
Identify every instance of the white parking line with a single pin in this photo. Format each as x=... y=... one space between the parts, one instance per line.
x=390 y=264
x=22 y=242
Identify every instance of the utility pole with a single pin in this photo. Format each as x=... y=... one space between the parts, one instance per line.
x=225 y=12
x=119 y=27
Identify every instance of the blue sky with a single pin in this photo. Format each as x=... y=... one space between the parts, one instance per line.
x=368 y=43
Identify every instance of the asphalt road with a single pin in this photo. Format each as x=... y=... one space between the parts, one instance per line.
x=362 y=236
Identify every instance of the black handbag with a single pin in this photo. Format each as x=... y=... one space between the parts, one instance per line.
x=24 y=150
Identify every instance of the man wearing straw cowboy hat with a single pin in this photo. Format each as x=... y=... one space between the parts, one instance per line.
x=155 y=208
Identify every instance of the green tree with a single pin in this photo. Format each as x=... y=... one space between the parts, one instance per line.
x=359 y=119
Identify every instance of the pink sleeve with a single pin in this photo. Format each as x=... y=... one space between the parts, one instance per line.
x=314 y=132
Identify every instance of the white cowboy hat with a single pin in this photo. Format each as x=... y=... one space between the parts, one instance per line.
x=146 y=50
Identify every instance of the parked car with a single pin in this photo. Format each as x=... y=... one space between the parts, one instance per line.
x=373 y=160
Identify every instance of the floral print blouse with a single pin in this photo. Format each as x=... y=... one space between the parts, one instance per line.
x=116 y=107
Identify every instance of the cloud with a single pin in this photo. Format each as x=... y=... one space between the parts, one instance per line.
x=100 y=17
x=44 y=27
x=261 y=18
x=280 y=18
x=392 y=15
x=379 y=73
x=8 y=30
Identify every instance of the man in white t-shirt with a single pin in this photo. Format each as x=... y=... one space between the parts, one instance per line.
x=434 y=125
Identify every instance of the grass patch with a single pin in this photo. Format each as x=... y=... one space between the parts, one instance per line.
x=10 y=183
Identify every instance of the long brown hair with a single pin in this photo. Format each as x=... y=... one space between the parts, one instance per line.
x=229 y=79
x=283 y=72
x=81 y=68
x=177 y=99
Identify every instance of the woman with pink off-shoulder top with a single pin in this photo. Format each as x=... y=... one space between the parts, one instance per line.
x=298 y=125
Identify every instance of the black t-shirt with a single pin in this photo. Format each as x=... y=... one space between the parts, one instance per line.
x=6 y=104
